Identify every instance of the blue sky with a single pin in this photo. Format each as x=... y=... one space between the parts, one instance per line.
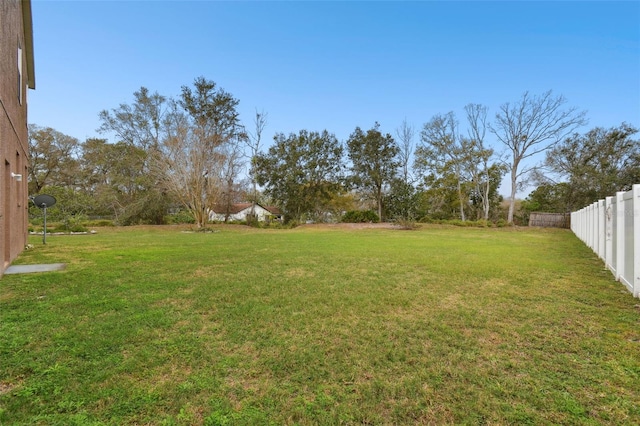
x=336 y=65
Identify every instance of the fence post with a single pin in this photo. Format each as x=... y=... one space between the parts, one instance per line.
x=619 y=237
x=601 y=230
x=593 y=230
x=636 y=240
x=581 y=228
x=608 y=249
x=585 y=225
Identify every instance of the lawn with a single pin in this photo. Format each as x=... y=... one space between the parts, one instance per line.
x=318 y=325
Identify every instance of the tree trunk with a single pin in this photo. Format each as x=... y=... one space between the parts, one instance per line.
x=379 y=197
x=253 y=202
x=460 y=199
x=486 y=204
x=512 y=202
x=485 y=201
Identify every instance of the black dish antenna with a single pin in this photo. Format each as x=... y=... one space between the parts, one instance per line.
x=44 y=201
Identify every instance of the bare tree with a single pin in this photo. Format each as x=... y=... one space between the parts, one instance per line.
x=232 y=162
x=253 y=141
x=531 y=126
x=480 y=156
x=201 y=128
x=140 y=127
x=139 y=124
x=405 y=135
x=184 y=166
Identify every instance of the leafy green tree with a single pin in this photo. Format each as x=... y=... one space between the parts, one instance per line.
x=595 y=165
x=302 y=173
x=53 y=158
x=140 y=128
x=374 y=162
x=550 y=198
x=439 y=195
x=112 y=178
x=71 y=208
x=401 y=201
x=340 y=202
x=98 y=176
x=442 y=149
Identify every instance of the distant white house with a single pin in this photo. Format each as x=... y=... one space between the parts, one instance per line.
x=240 y=211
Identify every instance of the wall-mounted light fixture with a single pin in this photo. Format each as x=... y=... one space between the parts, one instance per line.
x=17 y=177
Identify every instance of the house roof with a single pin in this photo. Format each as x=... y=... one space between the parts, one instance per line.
x=238 y=207
x=232 y=209
x=273 y=210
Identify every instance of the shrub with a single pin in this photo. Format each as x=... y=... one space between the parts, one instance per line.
x=480 y=223
x=360 y=216
x=181 y=217
x=69 y=227
x=406 y=223
x=252 y=220
x=98 y=222
x=71 y=223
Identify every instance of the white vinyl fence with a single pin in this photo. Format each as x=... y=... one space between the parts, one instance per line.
x=611 y=228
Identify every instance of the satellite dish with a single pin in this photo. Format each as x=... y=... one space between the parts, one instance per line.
x=44 y=201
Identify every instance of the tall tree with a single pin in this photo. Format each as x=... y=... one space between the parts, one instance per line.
x=141 y=126
x=374 y=162
x=200 y=126
x=405 y=134
x=443 y=149
x=595 y=165
x=531 y=126
x=112 y=178
x=439 y=194
x=401 y=201
x=302 y=173
x=232 y=163
x=478 y=160
x=53 y=158
x=254 y=143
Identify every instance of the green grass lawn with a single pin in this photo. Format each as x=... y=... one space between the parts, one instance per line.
x=315 y=326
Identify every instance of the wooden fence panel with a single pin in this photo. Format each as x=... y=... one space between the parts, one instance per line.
x=550 y=220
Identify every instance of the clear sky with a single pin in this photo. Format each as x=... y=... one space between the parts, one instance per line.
x=336 y=65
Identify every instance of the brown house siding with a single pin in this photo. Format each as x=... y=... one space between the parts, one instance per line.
x=15 y=36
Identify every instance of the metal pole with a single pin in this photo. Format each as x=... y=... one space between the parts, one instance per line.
x=44 y=234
